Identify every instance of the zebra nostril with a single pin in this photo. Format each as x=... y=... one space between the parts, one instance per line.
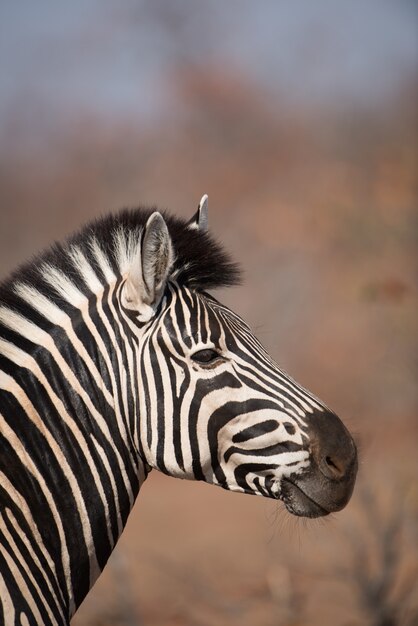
x=333 y=467
x=332 y=447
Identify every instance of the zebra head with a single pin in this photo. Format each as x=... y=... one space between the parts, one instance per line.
x=214 y=405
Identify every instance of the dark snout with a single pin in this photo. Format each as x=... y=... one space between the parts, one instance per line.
x=329 y=482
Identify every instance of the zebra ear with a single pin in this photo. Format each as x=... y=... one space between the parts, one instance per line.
x=150 y=269
x=199 y=220
x=157 y=256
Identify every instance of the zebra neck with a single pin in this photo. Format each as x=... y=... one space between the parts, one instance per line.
x=69 y=407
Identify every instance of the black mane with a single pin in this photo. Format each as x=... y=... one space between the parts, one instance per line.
x=200 y=262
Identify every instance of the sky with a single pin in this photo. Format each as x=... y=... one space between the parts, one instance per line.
x=115 y=59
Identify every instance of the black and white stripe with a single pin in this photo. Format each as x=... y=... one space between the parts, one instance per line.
x=101 y=379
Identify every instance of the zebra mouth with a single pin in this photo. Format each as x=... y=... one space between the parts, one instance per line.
x=298 y=502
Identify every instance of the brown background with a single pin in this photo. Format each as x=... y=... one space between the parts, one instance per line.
x=316 y=196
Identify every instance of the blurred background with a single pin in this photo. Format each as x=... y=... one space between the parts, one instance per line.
x=299 y=119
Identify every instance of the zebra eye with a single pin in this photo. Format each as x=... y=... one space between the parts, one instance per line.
x=205 y=356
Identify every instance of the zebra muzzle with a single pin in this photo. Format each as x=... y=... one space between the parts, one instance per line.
x=327 y=485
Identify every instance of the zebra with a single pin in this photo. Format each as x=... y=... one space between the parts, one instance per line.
x=116 y=360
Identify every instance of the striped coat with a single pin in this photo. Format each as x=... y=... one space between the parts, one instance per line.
x=115 y=360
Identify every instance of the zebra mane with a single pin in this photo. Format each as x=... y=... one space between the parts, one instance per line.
x=107 y=246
